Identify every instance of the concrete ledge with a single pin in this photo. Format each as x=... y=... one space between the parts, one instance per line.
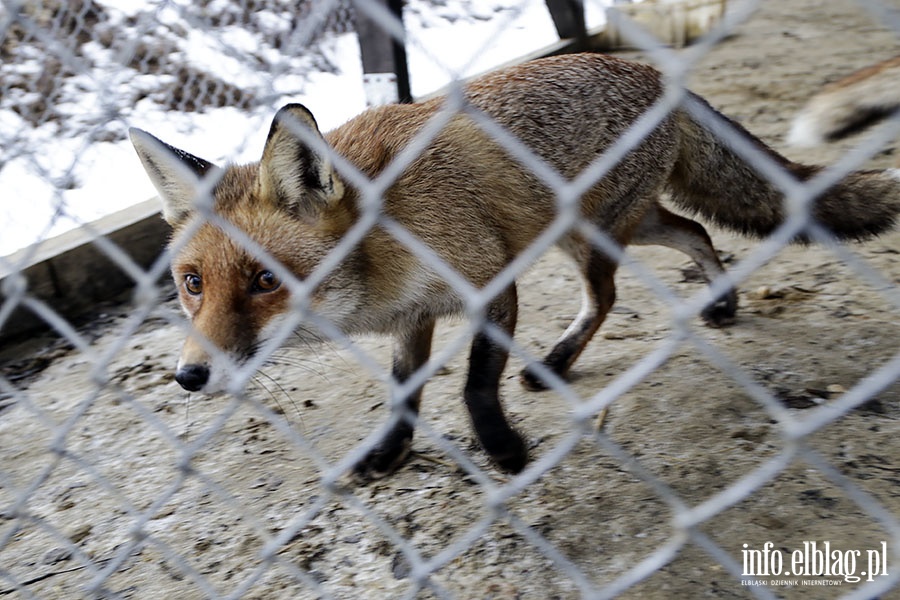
x=72 y=274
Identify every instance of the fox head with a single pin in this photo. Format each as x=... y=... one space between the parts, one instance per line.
x=291 y=205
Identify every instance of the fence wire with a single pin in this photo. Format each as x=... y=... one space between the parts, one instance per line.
x=758 y=460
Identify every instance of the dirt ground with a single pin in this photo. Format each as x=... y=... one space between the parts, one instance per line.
x=110 y=472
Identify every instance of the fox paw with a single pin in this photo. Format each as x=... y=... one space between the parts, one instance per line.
x=383 y=460
x=721 y=312
x=510 y=454
x=531 y=381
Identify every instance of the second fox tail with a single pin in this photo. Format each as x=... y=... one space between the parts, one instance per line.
x=849 y=105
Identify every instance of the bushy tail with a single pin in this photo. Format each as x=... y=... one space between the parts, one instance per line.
x=849 y=105
x=712 y=180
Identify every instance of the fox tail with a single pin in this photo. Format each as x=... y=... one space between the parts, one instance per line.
x=711 y=179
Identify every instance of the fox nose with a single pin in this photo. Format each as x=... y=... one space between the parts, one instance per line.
x=192 y=377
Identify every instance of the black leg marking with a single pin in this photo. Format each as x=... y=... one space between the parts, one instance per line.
x=411 y=351
x=598 y=298
x=487 y=360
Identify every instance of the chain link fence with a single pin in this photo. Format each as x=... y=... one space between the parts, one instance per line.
x=758 y=460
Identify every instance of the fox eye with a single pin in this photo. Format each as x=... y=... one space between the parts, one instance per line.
x=193 y=284
x=265 y=281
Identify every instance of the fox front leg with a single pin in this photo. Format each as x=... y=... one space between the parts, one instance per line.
x=411 y=351
x=482 y=392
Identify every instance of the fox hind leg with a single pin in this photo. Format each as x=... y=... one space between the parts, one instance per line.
x=598 y=297
x=487 y=360
x=411 y=351
x=664 y=228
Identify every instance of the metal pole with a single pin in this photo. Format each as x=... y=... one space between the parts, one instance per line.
x=385 y=71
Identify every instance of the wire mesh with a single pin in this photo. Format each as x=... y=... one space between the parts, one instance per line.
x=675 y=460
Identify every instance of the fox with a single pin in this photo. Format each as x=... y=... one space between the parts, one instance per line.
x=476 y=206
x=849 y=105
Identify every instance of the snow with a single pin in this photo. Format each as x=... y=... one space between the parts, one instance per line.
x=50 y=182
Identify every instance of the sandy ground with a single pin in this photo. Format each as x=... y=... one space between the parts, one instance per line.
x=110 y=472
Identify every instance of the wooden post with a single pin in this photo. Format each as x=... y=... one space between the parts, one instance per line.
x=568 y=17
x=385 y=72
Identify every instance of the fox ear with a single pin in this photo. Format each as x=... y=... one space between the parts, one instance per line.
x=293 y=168
x=175 y=174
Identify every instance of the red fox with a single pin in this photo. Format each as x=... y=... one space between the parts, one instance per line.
x=476 y=207
x=849 y=104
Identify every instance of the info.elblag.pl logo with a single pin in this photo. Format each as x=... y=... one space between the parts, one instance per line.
x=816 y=560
